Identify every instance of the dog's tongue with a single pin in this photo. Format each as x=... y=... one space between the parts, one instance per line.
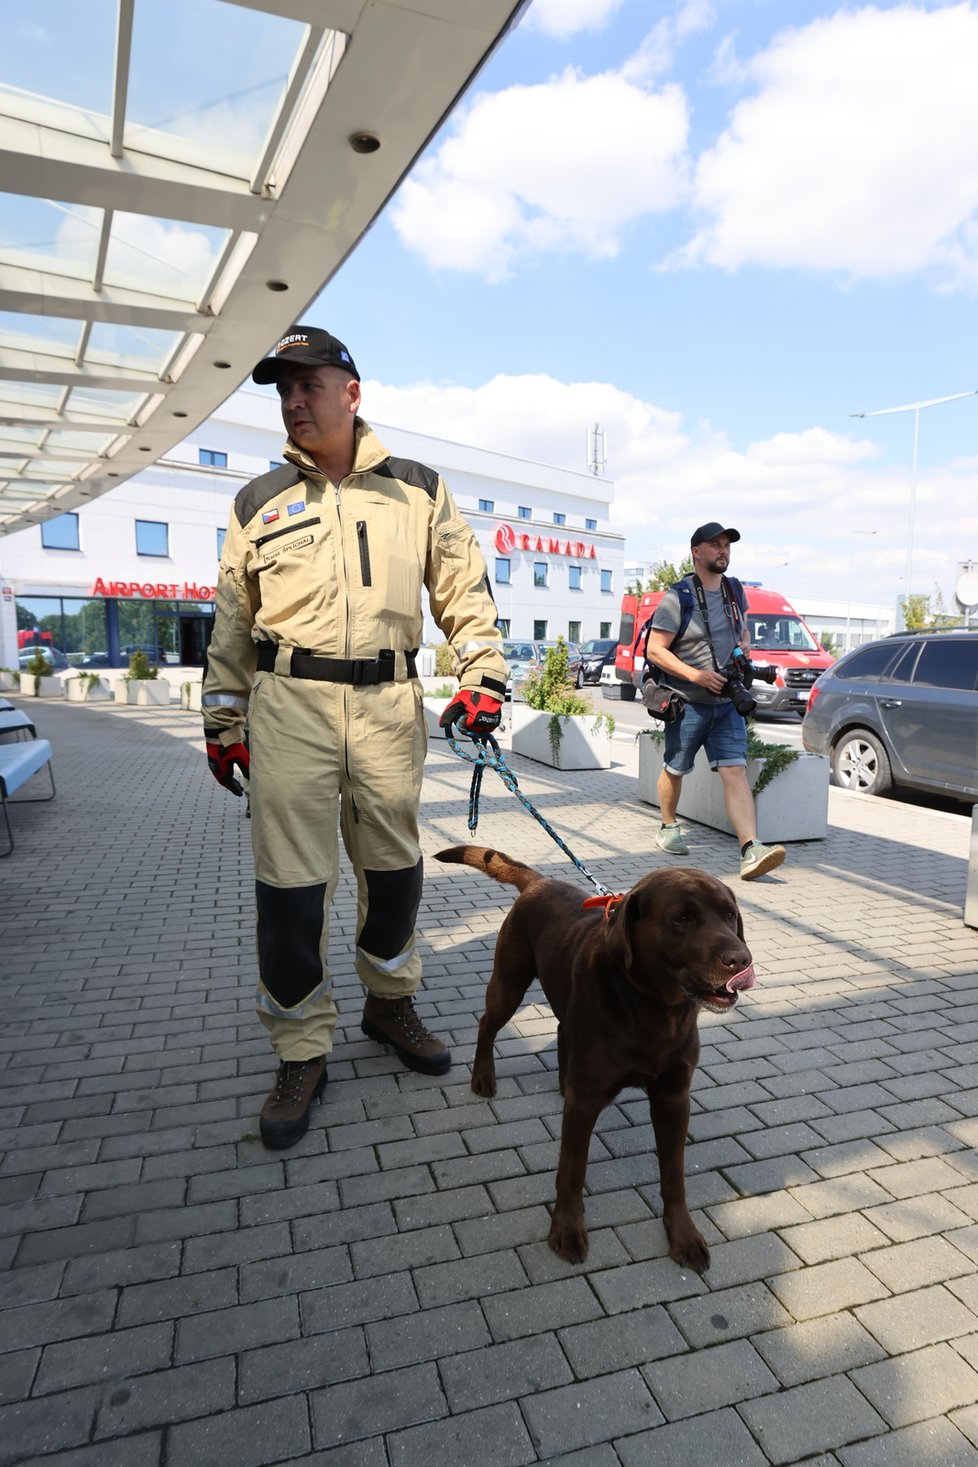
x=743 y=979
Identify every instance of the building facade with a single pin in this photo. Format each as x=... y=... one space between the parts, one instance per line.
x=137 y=568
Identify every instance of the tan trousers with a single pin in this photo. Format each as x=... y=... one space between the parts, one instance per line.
x=328 y=759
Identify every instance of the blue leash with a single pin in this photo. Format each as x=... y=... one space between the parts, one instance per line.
x=488 y=756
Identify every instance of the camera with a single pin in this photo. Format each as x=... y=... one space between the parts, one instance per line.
x=740 y=673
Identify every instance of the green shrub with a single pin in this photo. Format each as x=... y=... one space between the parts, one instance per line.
x=550 y=690
x=444 y=661
x=140 y=669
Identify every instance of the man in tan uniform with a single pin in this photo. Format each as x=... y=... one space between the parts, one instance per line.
x=318 y=618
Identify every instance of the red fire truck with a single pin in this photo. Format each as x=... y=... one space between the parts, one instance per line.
x=778 y=637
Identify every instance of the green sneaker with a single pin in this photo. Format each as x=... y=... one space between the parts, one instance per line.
x=759 y=859
x=670 y=838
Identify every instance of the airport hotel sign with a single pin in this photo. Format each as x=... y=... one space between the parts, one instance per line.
x=506 y=540
x=154 y=591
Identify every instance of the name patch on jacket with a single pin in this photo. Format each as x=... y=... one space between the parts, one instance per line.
x=298 y=507
x=292 y=545
x=269 y=516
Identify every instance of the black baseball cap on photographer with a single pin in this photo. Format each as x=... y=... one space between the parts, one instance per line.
x=304 y=346
x=712 y=531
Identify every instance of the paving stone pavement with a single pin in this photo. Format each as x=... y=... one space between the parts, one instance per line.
x=382 y=1294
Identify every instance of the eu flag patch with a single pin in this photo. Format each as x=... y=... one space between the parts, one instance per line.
x=298 y=507
x=269 y=516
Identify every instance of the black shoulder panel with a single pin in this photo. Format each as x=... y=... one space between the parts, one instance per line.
x=419 y=476
x=250 y=499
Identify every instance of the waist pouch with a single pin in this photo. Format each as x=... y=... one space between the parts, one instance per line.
x=663 y=703
x=356 y=671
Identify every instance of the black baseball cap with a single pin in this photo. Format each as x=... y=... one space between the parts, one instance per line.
x=713 y=531
x=304 y=346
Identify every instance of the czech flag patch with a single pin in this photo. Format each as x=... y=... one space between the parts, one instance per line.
x=269 y=516
x=298 y=507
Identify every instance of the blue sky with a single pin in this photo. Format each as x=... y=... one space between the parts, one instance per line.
x=718 y=235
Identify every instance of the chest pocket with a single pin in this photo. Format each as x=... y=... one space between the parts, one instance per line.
x=387 y=564
x=291 y=540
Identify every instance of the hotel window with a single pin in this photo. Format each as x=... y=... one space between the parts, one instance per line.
x=502 y=573
x=502 y=622
x=211 y=458
x=523 y=513
x=559 y=518
x=539 y=631
x=487 y=506
x=606 y=580
x=573 y=631
x=221 y=535
x=604 y=628
x=590 y=524
x=152 y=538
x=574 y=579
x=61 y=534
x=540 y=572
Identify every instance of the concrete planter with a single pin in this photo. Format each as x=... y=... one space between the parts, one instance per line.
x=581 y=745
x=190 y=697
x=81 y=690
x=794 y=806
x=8 y=682
x=148 y=692
x=41 y=687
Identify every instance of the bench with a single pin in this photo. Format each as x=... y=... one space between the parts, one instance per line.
x=18 y=762
x=14 y=723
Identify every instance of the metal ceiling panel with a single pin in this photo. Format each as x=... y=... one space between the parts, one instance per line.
x=151 y=252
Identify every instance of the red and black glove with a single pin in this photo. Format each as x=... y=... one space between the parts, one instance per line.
x=475 y=713
x=221 y=762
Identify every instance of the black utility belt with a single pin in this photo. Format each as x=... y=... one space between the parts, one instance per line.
x=355 y=671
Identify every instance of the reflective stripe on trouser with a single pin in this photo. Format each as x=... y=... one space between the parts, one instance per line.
x=319 y=750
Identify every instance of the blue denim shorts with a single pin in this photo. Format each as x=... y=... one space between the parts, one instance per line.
x=716 y=726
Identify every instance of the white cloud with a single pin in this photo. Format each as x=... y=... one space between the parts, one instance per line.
x=564 y=18
x=856 y=154
x=796 y=497
x=564 y=165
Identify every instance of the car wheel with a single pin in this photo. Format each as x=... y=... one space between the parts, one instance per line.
x=579 y=680
x=628 y=692
x=859 y=762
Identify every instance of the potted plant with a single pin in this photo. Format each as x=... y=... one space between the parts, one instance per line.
x=791 y=788
x=190 y=696
x=144 y=686
x=41 y=682
x=556 y=725
x=84 y=687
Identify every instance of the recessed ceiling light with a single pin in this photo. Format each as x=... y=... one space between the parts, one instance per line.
x=179 y=415
x=222 y=365
x=364 y=142
x=276 y=285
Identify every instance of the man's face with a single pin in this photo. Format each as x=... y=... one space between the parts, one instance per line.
x=712 y=555
x=318 y=406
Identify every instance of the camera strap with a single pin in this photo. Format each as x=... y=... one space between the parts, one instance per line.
x=701 y=602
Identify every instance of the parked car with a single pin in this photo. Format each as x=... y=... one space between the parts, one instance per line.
x=156 y=655
x=95 y=659
x=901 y=711
x=595 y=656
x=526 y=657
x=56 y=659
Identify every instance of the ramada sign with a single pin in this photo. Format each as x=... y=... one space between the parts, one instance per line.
x=150 y=591
x=506 y=540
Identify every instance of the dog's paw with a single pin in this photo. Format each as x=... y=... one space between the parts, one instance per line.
x=568 y=1241
x=484 y=1081
x=688 y=1248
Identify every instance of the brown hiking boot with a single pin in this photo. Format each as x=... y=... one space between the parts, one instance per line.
x=393 y=1021
x=284 y=1118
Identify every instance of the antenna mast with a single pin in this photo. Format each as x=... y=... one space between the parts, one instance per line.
x=595 y=449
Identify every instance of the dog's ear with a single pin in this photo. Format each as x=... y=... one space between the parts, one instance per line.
x=619 y=934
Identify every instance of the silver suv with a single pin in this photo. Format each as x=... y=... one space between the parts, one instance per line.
x=902 y=711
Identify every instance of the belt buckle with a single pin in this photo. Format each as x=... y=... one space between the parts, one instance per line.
x=361 y=672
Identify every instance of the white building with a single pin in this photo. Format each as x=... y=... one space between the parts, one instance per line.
x=138 y=566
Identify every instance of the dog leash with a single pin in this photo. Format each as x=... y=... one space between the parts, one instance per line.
x=490 y=757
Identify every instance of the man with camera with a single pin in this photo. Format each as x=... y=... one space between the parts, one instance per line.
x=700 y=645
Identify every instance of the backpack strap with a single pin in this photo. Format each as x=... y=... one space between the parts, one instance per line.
x=687 y=601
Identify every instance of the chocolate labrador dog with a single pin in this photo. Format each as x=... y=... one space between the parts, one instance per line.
x=626 y=984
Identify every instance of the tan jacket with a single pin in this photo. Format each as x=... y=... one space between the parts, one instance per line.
x=339 y=570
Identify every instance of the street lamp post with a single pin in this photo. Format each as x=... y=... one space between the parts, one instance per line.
x=915 y=408
x=852 y=557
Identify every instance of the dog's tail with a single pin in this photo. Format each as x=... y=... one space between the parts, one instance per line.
x=494 y=863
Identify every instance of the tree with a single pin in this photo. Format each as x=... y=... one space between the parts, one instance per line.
x=831 y=644
x=664 y=574
x=920 y=616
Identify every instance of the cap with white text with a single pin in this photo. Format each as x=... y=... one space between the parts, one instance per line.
x=304 y=346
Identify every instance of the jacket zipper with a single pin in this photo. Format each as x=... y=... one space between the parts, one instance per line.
x=364 y=552
x=346 y=648
x=286 y=530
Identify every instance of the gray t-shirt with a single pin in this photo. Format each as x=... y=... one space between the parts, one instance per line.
x=694 y=646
